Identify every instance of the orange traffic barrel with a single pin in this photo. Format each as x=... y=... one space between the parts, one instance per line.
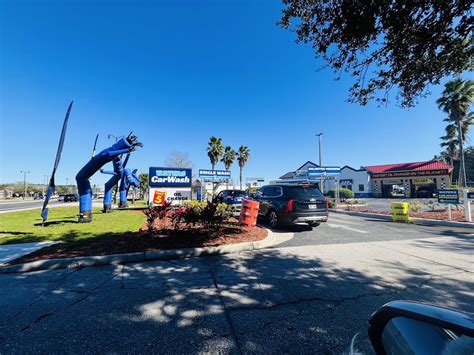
x=249 y=212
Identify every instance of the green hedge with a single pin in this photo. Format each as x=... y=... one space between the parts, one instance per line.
x=344 y=194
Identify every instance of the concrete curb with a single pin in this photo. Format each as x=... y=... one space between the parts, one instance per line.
x=116 y=259
x=420 y=221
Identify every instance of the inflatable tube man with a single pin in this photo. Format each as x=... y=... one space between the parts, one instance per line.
x=123 y=146
x=109 y=185
x=129 y=179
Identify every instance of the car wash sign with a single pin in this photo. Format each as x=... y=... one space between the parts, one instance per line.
x=169 y=185
x=170 y=177
x=324 y=172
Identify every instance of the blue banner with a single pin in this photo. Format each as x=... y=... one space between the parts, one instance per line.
x=324 y=171
x=170 y=177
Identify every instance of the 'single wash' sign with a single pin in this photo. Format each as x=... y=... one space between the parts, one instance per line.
x=169 y=177
x=214 y=174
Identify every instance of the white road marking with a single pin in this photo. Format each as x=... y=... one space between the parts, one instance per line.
x=332 y=225
x=345 y=220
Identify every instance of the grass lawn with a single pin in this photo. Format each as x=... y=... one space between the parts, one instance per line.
x=25 y=226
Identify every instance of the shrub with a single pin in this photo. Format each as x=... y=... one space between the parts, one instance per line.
x=156 y=212
x=195 y=206
x=415 y=206
x=344 y=194
x=214 y=214
x=186 y=215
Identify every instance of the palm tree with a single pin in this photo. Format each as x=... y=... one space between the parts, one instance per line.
x=451 y=141
x=456 y=100
x=214 y=150
x=228 y=159
x=243 y=157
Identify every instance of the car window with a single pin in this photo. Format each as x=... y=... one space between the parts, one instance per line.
x=267 y=191
x=303 y=192
x=277 y=191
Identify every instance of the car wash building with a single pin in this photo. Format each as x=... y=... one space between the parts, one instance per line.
x=419 y=179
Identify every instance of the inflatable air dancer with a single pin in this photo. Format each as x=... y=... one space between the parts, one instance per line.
x=123 y=146
x=129 y=178
x=109 y=185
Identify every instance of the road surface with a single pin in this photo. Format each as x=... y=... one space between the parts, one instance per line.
x=309 y=295
x=6 y=206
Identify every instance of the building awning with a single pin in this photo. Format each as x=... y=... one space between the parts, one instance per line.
x=424 y=168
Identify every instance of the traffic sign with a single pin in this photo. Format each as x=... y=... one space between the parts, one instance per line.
x=450 y=196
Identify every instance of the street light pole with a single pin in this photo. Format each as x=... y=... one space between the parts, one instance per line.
x=24 y=182
x=320 y=159
x=320 y=152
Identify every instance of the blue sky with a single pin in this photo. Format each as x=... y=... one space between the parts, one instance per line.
x=177 y=73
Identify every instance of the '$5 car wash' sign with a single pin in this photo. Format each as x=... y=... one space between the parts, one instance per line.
x=169 y=185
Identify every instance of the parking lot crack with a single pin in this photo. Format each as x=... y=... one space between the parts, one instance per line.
x=226 y=312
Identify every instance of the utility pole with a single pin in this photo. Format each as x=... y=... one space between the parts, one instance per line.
x=24 y=172
x=320 y=159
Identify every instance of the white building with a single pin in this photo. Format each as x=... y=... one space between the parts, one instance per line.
x=356 y=180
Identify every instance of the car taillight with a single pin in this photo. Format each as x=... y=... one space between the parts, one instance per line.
x=290 y=206
x=327 y=203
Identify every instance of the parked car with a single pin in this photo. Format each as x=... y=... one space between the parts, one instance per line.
x=424 y=192
x=232 y=197
x=408 y=327
x=71 y=198
x=283 y=205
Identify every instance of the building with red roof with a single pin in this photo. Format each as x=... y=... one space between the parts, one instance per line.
x=418 y=179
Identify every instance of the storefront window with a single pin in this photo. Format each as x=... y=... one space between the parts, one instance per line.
x=361 y=187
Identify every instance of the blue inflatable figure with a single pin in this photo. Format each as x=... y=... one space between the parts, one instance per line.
x=109 y=185
x=123 y=146
x=129 y=179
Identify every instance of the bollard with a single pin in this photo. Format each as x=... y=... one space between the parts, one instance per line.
x=467 y=206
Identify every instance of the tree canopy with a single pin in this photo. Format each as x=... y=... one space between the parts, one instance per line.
x=386 y=44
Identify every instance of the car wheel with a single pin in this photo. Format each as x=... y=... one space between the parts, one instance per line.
x=273 y=220
x=313 y=224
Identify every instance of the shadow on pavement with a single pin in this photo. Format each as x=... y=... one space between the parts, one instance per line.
x=258 y=302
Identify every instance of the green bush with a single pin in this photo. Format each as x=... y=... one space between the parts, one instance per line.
x=415 y=206
x=344 y=194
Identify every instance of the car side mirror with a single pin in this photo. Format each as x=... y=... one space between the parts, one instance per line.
x=404 y=327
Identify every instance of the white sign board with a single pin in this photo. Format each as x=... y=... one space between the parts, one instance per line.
x=175 y=195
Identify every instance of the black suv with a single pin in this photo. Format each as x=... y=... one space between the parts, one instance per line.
x=71 y=198
x=291 y=204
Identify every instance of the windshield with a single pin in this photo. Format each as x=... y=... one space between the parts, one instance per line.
x=302 y=192
x=236 y=193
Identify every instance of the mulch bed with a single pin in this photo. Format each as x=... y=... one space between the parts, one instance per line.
x=441 y=215
x=160 y=239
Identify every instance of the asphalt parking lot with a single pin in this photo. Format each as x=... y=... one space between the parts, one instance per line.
x=344 y=229
x=311 y=294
